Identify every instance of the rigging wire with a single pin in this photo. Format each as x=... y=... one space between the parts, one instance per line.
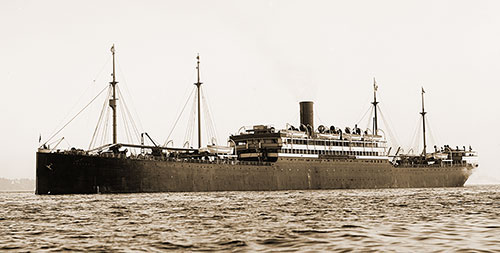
x=393 y=137
x=416 y=136
x=363 y=117
x=129 y=95
x=102 y=69
x=317 y=115
x=67 y=142
x=99 y=122
x=209 y=122
x=131 y=119
x=105 y=129
x=370 y=108
x=124 y=120
x=85 y=107
x=189 y=135
x=101 y=130
x=72 y=107
x=186 y=91
x=210 y=132
x=52 y=143
x=210 y=116
x=82 y=95
x=435 y=141
x=178 y=117
x=370 y=118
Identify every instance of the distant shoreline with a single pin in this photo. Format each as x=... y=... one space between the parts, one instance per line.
x=17 y=185
x=16 y=191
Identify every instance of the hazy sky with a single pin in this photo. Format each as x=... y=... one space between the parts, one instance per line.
x=259 y=59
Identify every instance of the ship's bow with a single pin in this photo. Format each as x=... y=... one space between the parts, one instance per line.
x=42 y=173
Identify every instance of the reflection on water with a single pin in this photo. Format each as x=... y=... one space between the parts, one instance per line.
x=389 y=219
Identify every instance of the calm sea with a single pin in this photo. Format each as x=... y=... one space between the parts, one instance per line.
x=403 y=220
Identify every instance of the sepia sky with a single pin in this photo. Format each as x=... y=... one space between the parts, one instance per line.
x=258 y=60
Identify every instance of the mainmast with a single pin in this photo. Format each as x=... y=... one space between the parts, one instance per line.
x=112 y=101
x=198 y=86
x=374 y=103
x=424 y=152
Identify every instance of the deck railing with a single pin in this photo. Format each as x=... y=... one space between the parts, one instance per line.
x=171 y=159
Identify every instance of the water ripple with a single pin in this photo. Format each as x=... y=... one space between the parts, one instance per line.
x=446 y=219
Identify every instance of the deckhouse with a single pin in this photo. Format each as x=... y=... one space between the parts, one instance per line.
x=265 y=143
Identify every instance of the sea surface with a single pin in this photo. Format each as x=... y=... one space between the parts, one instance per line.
x=403 y=220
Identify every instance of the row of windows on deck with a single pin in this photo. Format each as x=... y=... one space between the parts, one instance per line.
x=332 y=143
x=327 y=152
x=314 y=142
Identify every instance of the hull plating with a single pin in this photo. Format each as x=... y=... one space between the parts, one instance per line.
x=58 y=173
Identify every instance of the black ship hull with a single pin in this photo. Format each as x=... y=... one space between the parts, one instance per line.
x=62 y=173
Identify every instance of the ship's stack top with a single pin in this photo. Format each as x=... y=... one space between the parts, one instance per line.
x=307 y=116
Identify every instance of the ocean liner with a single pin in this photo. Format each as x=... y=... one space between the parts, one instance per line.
x=258 y=158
